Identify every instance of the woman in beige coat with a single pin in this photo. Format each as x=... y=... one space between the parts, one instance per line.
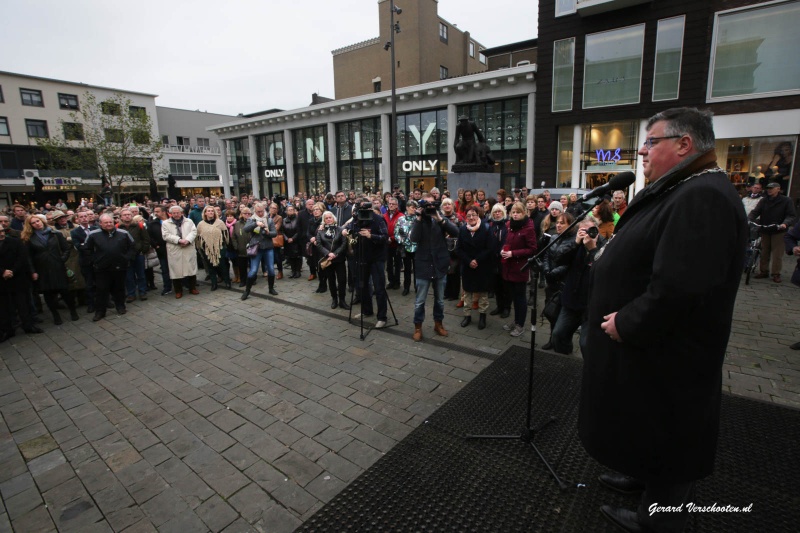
x=179 y=233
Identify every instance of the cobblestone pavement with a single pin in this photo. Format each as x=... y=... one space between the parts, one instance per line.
x=210 y=413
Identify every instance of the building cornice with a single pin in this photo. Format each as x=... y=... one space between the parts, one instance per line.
x=75 y=83
x=356 y=46
x=472 y=83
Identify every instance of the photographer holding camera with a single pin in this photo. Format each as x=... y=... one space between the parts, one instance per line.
x=431 y=261
x=370 y=251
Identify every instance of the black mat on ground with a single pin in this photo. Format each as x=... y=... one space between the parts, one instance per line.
x=435 y=480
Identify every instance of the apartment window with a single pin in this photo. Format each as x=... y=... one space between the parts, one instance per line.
x=165 y=139
x=182 y=141
x=565 y=7
x=203 y=143
x=73 y=131
x=31 y=97
x=67 y=101
x=443 y=73
x=563 y=74
x=137 y=111
x=443 y=32
x=481 y=57
x=36 y=128
x=376 y=86
x=111 y=108
x=751 y=52
x=669 y=50
x=471 y=49
x=4 y=126
x=1 y=95
x=140 y=136
x=187 y=167
x=612 y=70
x=114 y=135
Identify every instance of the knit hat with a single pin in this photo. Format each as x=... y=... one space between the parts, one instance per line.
x=556 y=205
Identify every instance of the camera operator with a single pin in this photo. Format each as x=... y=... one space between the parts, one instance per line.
x=431 y=261
x=370 y=250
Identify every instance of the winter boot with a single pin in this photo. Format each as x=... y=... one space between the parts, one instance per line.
x=417 y=333
x=249 y=284
x=482 y=321
x=271 y=282
x=439 y=328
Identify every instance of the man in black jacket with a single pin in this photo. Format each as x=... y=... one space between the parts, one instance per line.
x=79 y=234
x=141 y=241
x=111 y=250
x=776 y=209
x=370 y=249
x=303 y=220
x=659 y=315
x=431 y=261
x=14 y=286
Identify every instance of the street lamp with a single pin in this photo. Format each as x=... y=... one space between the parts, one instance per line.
x=393 y=28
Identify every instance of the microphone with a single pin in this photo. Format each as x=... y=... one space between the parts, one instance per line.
x=619 y=182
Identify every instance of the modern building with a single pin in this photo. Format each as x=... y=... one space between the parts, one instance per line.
x=340 y=145
x=192 y=155
x=427 y=48
x=605 y=66
x=32 y=107
x=512 y=54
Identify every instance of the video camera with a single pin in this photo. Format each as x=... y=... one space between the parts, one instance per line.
x=364 y=212
x=429 y=208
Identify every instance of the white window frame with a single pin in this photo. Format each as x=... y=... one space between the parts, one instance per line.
x=471 y=49
x=713 y=56
x=4 y=121
x=553 y=81
x=680 y=62
x=565 y=13
x=641 y=66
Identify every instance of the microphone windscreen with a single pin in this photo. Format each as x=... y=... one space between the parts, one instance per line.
x=622 y=180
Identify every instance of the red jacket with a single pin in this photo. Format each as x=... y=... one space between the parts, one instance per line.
x=390 y=222
x=522 y=244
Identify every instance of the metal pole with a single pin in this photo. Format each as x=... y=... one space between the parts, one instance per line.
x=393 y=125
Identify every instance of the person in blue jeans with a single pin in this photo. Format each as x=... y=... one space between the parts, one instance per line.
x=135 y=277
x=261 y=230
x=431 y=261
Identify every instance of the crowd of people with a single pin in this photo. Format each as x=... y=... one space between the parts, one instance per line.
x=470 y=247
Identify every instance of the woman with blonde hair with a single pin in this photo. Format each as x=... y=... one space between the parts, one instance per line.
x=212 y=243
x=519 y=246
x=331 y=245
x=261 y=230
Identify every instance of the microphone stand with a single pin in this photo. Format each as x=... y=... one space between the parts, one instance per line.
x=529 y=433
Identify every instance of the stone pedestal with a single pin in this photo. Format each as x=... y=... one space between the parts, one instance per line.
x=488 y=181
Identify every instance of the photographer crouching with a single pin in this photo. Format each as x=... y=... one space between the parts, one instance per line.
x=370 y=253
x=431 y=261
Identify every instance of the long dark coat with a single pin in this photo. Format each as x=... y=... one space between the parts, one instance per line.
x=475 y=246
x=48 y=260
x=650 y=405
x=13 y=257
x=522 y=243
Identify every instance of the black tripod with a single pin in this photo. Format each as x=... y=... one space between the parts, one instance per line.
x=528 y=434
x=362 y=290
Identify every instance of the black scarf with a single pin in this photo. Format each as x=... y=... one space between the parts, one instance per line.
x=516 y=225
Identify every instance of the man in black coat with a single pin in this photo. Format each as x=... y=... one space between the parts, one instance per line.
x=659 y=317
x=111 y=250
x=774 y=209
x=370 y=250
x=79 y=234
x=304 y=218
x=160 y=214
x=431 y=261
x=14 y=286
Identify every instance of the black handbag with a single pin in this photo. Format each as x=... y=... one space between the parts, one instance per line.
x=552 y=307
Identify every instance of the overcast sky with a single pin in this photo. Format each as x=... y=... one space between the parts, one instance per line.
x=230 y=57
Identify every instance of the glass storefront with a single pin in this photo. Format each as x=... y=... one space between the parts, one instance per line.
x=762 y=159
x=311 y=172
x=271 y=165
x=504 y=123
x=359 y=155
x=239 y=164
x=607 y=149
x=422 y=150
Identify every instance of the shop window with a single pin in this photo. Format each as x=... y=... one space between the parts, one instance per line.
x=31 y=97
x=563 y=74
x=758 y=159
x=752 y=50
x=443 y=32
x=4 y=126
x=669 y=50
x=67 y=101
x=613 y=67
x=36 y=128
x=73 y=131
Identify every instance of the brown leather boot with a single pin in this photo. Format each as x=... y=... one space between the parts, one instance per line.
x=236 y=279
x=279 y=275
x=417 y=333
x=439 y=329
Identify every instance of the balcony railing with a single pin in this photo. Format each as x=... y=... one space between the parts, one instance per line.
x=190 y=149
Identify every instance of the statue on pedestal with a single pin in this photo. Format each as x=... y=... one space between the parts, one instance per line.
x=472 y=152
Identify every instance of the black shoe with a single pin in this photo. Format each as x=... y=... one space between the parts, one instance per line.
x=213 y=287
x=98 y=316
x=242 y=283
x=466 y=322
x=334 y=303
x=367 y=314
x=795 y=346
x=496 y=311
x=406 y=291
x=73 y=315
x=121 y=310
x=621 y=483
x=228 y=285
x=321 y=290
x=624 y=519
x=166 y=291
x=142 y=297
x=343 y=304
x=356 y=300
x=482 y=321
x=549 y=346
x=505 y=313
x=57 y=319
x=90 y=309
x=33 y=329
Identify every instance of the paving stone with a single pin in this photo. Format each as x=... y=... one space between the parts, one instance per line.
x=251 y=502
x=340 y=467
x=266 y=476
x=297 y=467
x=240 y=457
x=164 y=507
x=309 y=448
x=216 y=513
x=37 y=519
x=17 y=484
x=183 y=522
x=278 y=520
x=325 y=487
x=361 y=454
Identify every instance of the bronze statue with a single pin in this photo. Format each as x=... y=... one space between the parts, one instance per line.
x=471 y=156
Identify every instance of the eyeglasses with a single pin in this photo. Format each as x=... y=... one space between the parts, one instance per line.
x=648 y=143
